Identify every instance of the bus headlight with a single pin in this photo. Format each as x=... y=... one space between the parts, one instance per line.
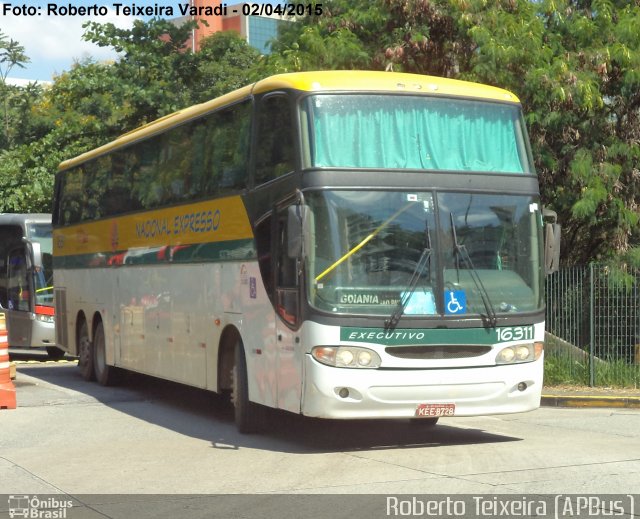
x=520 y=353
x=346 y=357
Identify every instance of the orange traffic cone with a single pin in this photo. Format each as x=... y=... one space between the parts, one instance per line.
x=7 y=389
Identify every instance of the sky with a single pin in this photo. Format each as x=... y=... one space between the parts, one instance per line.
x=54 y=42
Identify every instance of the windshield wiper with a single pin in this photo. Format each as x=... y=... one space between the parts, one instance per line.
x=405 y=296
x=461 y=252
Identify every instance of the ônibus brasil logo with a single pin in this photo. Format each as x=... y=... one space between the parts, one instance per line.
x=37 y=508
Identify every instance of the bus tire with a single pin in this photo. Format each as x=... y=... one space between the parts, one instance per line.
x=55 y=353
x=249 y=416
x=105 y=375
x=85 y=353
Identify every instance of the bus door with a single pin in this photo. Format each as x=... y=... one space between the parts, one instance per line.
x=20 y=296
x=287 y=299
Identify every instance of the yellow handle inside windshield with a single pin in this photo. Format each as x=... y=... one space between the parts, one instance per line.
x=364 y=242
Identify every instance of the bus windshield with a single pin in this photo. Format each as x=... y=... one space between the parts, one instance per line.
x=43 y=276
x=417 y=132
x=465 y=250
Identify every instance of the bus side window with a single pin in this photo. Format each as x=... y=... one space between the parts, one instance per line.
x=275 y=145
x=93 y=192
x=174 y=168
x=117 y=192
x=144 y=193
x=201 y=152
x=228 y=142
x=72 y=196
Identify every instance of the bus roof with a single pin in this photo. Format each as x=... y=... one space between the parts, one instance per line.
x=24 y=218
x=325 y=81
x=374 y=81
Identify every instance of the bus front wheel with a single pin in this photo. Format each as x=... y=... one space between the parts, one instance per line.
x=249 y=416
x=85 y=353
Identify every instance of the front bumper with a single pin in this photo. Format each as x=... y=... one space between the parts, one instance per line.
x=396 y=393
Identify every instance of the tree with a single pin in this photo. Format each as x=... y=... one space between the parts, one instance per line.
x=575 y=64
x=11 y=55
x=226 y=62
x=578 y=77
x=94 y=103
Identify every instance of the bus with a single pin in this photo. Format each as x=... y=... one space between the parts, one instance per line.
x=337 y=244
x=26 y=281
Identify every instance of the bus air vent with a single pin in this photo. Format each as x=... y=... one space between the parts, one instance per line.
x=455 y=351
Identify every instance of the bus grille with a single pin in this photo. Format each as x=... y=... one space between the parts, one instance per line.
x=455 y=351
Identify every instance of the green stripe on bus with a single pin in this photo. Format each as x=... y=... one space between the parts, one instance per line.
x=420 y=336
x=232 y=250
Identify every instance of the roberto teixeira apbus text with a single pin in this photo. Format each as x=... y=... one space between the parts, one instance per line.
x=551 y=506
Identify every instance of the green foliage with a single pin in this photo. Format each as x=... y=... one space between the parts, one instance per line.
x=226 y=62
x=94 y=103
x=575 y=66
x=560 y=370
x=580 y=62
x=11 y=55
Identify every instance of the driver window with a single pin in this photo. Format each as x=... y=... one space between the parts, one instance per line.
x=18 y=274
x=287 y=299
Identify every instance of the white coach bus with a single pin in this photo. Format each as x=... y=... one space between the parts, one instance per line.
x=334 y=244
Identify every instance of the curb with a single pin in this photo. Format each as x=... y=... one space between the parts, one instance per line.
x=632 y=402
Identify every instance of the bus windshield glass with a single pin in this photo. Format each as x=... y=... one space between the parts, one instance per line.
x=43 y=277
x=442 y=253
x=417 y=132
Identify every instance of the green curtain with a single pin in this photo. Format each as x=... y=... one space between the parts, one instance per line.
x=398 y=132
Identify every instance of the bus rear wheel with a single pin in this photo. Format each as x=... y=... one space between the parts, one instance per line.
x=249 y=416
x=85 y=353
x=105 y=375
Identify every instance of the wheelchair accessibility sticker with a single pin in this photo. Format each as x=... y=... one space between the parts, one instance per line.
x=455 y=302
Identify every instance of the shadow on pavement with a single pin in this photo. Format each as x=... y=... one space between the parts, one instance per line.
x=207 y=416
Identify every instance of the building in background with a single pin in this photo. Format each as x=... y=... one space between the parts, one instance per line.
x=258 y=29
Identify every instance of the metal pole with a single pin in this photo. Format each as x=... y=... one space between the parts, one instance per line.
x=591 y=329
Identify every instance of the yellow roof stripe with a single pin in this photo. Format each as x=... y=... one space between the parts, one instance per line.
x=373 y=81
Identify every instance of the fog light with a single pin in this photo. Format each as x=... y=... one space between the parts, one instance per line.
x=343 y=393
x=522 y=386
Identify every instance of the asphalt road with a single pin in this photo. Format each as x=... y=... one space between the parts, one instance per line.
x=70 y=437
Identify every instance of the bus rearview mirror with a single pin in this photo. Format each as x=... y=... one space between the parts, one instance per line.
x=551 y=247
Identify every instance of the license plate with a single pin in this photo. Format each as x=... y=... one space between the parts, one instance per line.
x=432 y=410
